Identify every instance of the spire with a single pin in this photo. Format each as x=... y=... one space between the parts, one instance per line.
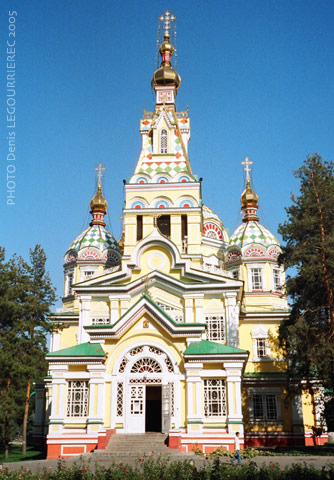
x=165 y=79
x=249 y=199
x=98 y=204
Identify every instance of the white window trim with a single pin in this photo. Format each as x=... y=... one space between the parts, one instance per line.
x=258 y=333
x=221 y=321
x=68 y=273
x=87 y=268
x=280 y=269
x=223 y=400
x=249 y=275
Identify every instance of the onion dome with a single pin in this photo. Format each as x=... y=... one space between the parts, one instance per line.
x=249 y=203
x=251 y=231
x=166 y=75
x=98 y=208
x=96 y=243
x=212 y=225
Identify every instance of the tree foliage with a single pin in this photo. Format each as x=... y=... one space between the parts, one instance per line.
x=307 y=336
x=26 y=294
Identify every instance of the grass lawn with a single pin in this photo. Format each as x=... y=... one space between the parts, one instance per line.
x=15 y=454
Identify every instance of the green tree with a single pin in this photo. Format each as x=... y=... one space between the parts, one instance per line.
x=24 y=328
x=307 y=336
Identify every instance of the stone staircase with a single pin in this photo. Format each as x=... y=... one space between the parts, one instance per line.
x=123 y=446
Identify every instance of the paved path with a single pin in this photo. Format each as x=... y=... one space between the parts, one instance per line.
x=282 y=461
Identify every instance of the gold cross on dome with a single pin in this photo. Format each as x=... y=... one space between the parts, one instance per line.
x=167 y=18
x=99 y=169
x=247 y=162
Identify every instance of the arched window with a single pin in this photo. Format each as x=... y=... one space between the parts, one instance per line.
x=163 y=141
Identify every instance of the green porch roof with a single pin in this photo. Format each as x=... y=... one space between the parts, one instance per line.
x=205 y=347
x=82 y=350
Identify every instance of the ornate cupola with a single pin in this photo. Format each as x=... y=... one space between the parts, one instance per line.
x=249 y=199
x=166 y=80
x=98 y=204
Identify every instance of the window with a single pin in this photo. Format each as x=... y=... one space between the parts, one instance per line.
x=277 y=279
x=120 y=389
x=163 y=223
x=215 y=328
x=184 y=227
x=261 y=347
x=256 y=277
x=77 y=398
x=214 y=397
x=88 y=274
x=69 y=284
x=139 y=227
x=264 y=407
x=163 y=141
x=235 y=274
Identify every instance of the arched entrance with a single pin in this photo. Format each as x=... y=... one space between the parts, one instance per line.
x=145 y=390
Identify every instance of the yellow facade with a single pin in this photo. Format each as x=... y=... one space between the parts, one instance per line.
x=174 y=328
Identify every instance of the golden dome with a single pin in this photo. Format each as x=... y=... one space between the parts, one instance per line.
x=98 y=202
x=248 y=196
x=166 y=46
x=166 y=75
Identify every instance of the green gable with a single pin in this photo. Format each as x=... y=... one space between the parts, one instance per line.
x=205 y=347
x=82 y=350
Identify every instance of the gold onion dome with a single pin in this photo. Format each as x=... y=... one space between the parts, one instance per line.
x=166 y=75
x=98 y=202
x=248 y=196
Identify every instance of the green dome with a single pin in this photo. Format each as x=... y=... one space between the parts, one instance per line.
x=252 y=232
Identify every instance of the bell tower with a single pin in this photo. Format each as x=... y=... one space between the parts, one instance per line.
x=163 y=195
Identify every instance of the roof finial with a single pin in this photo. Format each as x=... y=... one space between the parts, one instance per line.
x=247 y=162
x=167 y=19
x=99 y=169
x=98 y=204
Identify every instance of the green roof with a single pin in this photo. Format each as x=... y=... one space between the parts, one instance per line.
x=82 y=350
x=264 y=374
x=205 y=347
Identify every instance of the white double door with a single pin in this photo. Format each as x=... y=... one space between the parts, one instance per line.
x=140 y=411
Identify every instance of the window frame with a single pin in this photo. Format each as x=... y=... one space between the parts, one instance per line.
x=211 y=404
x=82 y=402
x=219 y=319
x=264 y=395
x=163 y=141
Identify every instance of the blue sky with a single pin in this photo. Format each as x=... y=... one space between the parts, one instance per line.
x=257 y=76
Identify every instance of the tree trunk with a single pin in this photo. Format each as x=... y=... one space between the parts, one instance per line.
x=324 y=260
x=7 y=419
x=25 y=419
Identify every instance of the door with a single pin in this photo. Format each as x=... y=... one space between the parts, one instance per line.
x=136 y=413
x=166 y=408
x=153 y=408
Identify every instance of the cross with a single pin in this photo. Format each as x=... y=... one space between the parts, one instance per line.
x=99 y=175
x=247 y=162
x=167 y=18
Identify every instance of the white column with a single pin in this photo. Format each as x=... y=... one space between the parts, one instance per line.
x=234 y=401
x=199 y=308
x=232 y=319
x=84 y=320
x=188 y=307
x=114 y=309
x=194 y=397
x=55 y=341
x=58 y=401
x=125 y=303
x=96 y=398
